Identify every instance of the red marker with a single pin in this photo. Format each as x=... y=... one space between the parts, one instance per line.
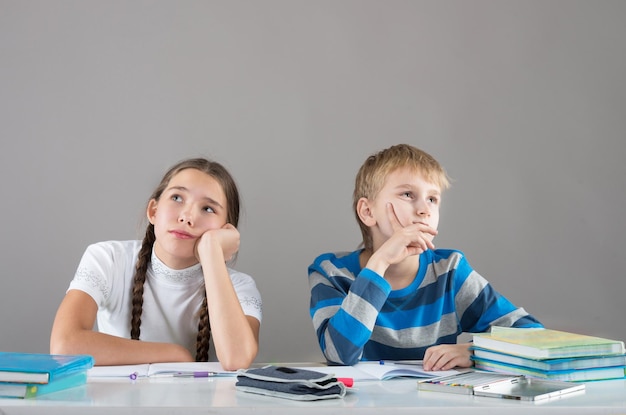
x=346 y=381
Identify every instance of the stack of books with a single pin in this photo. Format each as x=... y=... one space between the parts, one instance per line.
x=549 y=354
x=28 y=375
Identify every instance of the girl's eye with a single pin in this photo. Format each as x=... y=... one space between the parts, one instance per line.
x=177 y=198
x=209 y=209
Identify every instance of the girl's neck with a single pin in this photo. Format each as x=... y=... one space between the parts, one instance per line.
x=171 y=261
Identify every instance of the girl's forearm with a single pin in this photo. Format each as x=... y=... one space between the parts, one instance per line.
x=112 y=350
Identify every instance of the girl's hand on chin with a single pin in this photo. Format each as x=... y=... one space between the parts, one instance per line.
x=227 y=238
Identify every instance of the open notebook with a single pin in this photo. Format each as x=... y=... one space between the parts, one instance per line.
x=384 y=370
x=360 y=372
x=176 y=369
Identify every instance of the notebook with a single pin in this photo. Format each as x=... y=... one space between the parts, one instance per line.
x=40 y=368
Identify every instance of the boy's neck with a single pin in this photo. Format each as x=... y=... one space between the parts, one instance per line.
x=399 y=275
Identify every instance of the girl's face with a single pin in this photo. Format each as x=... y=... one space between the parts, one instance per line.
x=192 y=203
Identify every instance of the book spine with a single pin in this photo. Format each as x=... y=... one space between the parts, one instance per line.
x=67 y=382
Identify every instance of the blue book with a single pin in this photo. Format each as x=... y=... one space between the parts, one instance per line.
x=40 y=368
x=585 y=362
x=573 y=375
x=33 y=390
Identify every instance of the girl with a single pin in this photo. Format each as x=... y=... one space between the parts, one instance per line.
x=173 y=290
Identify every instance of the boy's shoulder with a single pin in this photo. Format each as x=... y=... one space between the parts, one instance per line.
x=338 y=255
x=443 y=260
x=446 y=253
x=340 y=259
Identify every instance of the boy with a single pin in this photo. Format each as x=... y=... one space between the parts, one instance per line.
x=398 y=297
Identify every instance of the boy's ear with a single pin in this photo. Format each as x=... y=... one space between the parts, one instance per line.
x=151 y=210
x=364 y=211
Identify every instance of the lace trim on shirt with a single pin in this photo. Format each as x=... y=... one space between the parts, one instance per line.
x=252 y=301
x=174 y=275
x=94 y=280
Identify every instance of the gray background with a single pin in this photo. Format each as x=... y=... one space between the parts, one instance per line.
x=522 y=101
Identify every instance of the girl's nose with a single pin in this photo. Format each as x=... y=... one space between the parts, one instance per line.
x=185 y=217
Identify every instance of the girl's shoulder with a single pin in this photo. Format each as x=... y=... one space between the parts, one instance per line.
x=240 y=278
x=114 y=249
x=111 y=244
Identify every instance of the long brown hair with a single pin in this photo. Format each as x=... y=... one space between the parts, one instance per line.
x=219 y=173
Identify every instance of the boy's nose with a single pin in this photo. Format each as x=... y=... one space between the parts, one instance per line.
x=422 y=208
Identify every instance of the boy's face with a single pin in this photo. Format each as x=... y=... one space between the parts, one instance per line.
x=414 y=200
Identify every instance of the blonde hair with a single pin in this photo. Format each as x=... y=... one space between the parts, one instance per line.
x=372 y=175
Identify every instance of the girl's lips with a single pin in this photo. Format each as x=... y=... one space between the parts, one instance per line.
x=181 y=234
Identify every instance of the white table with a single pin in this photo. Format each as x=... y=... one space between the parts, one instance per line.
x=218 y=395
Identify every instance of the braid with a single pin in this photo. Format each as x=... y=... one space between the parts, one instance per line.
x=204 y=332
x=141 y=269
x=226 y=181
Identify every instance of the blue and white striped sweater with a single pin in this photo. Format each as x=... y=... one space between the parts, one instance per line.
x=357 y=316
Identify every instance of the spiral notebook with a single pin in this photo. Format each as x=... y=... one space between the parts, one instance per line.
x=498 y=385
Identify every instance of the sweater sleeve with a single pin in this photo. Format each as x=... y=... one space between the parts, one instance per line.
x=344 y=309
x=480 y=306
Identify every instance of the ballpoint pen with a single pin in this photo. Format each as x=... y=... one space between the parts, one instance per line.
x=185 y=375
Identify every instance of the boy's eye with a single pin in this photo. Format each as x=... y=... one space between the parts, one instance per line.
x=408 y=195
x=433 y=200
x=177 y=198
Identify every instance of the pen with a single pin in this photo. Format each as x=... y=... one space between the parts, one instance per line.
x=194 y=374
x=401 y=362
x=186 y=375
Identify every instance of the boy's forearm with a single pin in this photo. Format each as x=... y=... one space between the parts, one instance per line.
x=342 y=343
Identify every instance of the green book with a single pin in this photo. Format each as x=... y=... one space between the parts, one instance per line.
x=540 y=343
x=40 y=368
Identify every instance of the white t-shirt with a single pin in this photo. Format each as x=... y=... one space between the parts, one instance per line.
x=171 y=298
